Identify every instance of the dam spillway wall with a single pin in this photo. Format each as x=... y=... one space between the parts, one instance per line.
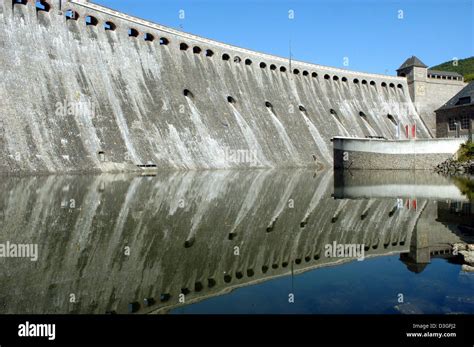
x=77 y=98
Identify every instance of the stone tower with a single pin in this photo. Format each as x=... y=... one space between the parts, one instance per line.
x=416 y=73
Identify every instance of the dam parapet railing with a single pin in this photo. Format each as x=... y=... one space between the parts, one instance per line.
x=381 y=154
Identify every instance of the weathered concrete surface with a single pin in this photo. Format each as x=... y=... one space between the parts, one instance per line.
x=375 y=154
x=169 y=223
x=126 y=99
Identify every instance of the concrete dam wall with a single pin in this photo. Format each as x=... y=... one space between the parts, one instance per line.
x=111 y=92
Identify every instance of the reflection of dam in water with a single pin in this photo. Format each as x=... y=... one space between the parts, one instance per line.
x=181 y=231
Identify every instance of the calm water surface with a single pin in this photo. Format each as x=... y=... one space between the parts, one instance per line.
x=236 y=242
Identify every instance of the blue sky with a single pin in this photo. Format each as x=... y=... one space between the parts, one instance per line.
x=368 y=32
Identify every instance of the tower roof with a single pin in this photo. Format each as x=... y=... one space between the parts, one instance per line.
x=412 y=61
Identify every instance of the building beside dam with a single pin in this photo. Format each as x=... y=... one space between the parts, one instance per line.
x=456 y=117
x=89 y=89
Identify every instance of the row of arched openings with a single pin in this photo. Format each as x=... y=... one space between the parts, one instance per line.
x=43 y=5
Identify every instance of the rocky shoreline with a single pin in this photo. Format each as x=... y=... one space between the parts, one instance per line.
x=467 y=254
x=452 y=167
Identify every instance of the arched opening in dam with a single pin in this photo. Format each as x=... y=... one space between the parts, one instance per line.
x=392 y=119
x=110 y=26
x=132 y=32
x=148 y=37
x=42 y=5
x=188 y=94
x=91 y=21
x=71 y=15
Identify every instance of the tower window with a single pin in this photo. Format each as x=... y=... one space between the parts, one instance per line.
x=183 y=46
x=248 y=62
x=282 y=69
x=209 y=53
x=196 y=50
x=263 y=65
x=225 y=56
x=164 y=41
x=273 y=67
